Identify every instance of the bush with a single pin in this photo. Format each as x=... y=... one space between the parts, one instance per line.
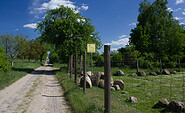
x=53 y=57
x=98 y=59
x=4 y=63
x=116 y=60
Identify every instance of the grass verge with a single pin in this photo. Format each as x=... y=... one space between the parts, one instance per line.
x=19 y=70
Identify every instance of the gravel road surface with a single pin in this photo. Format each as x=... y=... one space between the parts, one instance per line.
x=37 y=92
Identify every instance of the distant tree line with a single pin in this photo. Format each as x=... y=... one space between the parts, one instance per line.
x=19 y=46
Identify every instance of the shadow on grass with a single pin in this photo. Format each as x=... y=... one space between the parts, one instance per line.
x=27 y=70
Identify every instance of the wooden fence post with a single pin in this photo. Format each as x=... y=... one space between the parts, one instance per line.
x=84 y=71
x=76 y=67
x=107 y=90
x=137 y=66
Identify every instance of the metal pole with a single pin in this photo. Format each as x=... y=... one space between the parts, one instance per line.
x=91 y=65
x=84 y=71
x=76 y=67
x=107 y=90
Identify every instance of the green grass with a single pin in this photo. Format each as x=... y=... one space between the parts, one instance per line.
x=19 y=70
x=148 y=90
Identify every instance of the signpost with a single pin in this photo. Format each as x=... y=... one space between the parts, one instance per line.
x=91 y=48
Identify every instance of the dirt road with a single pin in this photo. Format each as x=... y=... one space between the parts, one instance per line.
x=38 y=92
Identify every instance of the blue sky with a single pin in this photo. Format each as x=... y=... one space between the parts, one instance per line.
x=113 y=19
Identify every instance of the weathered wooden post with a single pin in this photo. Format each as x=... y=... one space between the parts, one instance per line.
x=76 y=67
x=71 y=67
x=137 y=66
x=84 y=71
x=107 y=90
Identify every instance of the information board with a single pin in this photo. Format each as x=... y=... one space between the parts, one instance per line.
x=91 y=48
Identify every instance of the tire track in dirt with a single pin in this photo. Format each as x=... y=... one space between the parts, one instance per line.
x=48 y=97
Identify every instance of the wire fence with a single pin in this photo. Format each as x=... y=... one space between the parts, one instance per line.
x=160 y=80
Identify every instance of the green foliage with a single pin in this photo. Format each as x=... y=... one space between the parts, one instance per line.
x=4 y=63
x=53 y=57
x=10 y=43
x=19 y=70
x=157 y=31
x=98 y=59
x=116 y=59
x=129 y=55
x=68 y=31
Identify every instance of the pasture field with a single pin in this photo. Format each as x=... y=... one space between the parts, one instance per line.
x=147 y=89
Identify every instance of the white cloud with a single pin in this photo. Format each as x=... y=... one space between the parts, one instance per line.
x=32 y=25
x=115 y=49
x=53 y=4
x=183 y=13
x=178 y=18
x=84 y=7
x=179 y=1
x=182 y=23
x=170 y=9
x=174 y=10
x=123 y=36
x=16 y=29
x=120 y=42
x=132 y=24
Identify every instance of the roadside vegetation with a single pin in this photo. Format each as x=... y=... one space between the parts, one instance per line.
x=19 y=70
x=19 y=56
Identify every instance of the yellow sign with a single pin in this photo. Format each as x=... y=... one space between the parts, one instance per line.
x=91 y=48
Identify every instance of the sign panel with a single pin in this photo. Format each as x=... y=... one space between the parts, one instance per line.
x=91 y=48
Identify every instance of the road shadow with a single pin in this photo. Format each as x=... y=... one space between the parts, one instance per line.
x=57 y=85
x=27 y=70
x=52 y=96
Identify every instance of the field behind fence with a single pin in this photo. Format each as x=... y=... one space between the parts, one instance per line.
x=162 y=80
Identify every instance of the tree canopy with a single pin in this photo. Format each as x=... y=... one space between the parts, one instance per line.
x=68 y=31
x=157 y=31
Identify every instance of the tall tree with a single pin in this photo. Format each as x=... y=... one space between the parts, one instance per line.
x=157 y=30
x=68 y=31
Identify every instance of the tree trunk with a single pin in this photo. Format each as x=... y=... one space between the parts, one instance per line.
x=12 y=63
x=69 y=65
x=41 y=59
